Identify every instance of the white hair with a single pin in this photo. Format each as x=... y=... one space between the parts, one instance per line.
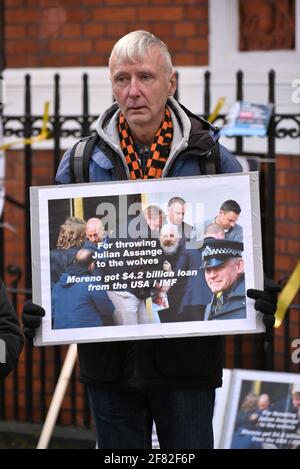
x=168 y=228
x=135 y=45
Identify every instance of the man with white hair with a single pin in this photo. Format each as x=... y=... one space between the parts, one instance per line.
x=95 y=231
x=169 y=239
x=147 y=134
x=180 y=304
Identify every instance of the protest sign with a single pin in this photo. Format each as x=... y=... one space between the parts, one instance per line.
x=263 y=411
x=150 y=273
x=247 y=119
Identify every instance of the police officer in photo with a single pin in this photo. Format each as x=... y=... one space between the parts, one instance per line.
x=224 y=272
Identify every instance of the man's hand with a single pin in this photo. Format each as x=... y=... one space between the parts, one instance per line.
x=266 y=303
x=31 y=318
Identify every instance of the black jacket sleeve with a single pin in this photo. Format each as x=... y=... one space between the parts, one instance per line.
x=11 y=339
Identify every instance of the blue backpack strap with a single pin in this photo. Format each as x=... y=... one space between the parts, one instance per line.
x=213 y=162
x=210 y=163
x=80 y=156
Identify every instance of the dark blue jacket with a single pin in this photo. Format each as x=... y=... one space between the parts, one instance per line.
x=184 y=362
x=234 y=303
x=74 y=305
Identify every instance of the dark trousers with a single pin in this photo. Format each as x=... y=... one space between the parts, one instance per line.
x=124 y=419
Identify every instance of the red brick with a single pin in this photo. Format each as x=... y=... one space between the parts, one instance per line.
x=287 y=194
x=65 y=60
x=162 y=2
x=284 y=262
x=114 y=14
x=22 y=15
x=287 y=162
x=201 y=59
x=116 y=30
x=288 y=230
x=74 y=15
x=185 y=3
x=72 y=30
x=183 y=59
x=280 y=245
x=118 y=2
x=22 y=61
x=137 y=24
x=96 y=60
x=294 y=212
x=68 y=46
x=175 y=45
x=94 y=30
x=202 y=30
x=185 y=29
x=33 y=30
x=284 y=178
x=281 y=211
x=196 y=45
x=162 y=30
x=14 y=3
x=104 y=45
x=46 y=21
x=167 y=14
x=196 y=13
x=23 y=47
x=293 y=247
x=14 y=31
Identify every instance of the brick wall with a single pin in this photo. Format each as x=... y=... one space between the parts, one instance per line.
x=287 y=255
x=287 y=245
x=73 y=33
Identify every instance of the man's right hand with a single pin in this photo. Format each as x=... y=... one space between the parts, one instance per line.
x=31 y=318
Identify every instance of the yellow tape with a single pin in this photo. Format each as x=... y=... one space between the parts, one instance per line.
x=149 y=308
x=217 y=109
x=287 y=295
x=78 y=207
x=256 y=387
x=28 y=141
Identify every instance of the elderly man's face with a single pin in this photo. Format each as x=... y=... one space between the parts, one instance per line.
x=263 y=401
x=176 y=213
x=94 y=232
x=141 y=88
x=169 y=240
x=296 y=400
x=221 y=278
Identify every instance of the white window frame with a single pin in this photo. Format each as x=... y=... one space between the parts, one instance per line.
x=224 y=40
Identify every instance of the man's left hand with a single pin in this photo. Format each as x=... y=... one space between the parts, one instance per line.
x=266 y=303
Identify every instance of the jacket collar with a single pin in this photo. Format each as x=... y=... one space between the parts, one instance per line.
x=188 y=131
